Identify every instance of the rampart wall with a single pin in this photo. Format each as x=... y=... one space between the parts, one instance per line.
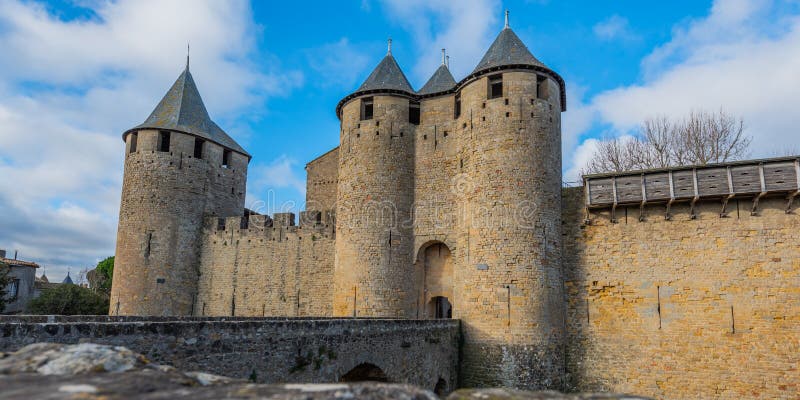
x=165 y=195
x=322 y=178
x=270 y=350
x=261 y=267
x=683 y=308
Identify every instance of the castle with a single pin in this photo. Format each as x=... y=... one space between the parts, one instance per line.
x=447 y=202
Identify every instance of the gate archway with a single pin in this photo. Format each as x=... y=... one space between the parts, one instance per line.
x=365 y=372
x=434 y=268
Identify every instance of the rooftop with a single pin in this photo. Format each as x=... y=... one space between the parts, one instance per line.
x=182 y=110
x=18 y=263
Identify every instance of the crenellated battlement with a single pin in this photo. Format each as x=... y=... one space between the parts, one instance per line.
x=281 y=226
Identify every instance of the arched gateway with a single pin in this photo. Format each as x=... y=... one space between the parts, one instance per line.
x=434 y=271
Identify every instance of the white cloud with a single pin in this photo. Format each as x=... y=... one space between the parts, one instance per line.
x=465 y=28
x=68 y=88
x=743 y=57
x=580 y=157
x=266 y=178
x=614 y=27
x=340 y=63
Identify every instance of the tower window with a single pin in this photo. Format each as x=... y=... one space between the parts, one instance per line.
x=134 y=140
x=366 y=108
x=542 y=88
x=198 y=147
x=13 y=289
x=413 y=112
x=163 y=141
x=226 y=158
x=495 y=86
x=457 y=106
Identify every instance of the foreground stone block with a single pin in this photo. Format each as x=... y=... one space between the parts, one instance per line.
x=512 y=394
x=92 y=371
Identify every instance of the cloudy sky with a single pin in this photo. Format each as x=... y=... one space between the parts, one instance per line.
x=75 y=74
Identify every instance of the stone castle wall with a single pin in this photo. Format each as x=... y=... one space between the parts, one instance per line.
x=508 y=276
x=373 y=211
x=703 y=308
x=165 y=196
x=266 y=268
x=484 y=184
x=322 y=178
x=267 y=350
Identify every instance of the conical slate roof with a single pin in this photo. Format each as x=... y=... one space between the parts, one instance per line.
x=387 y=75
x=67 y=279
x=442 y=80
x=507 y=49
x=182 y=110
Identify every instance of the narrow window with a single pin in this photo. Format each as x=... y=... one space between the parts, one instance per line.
x=13 y=289
x=198 y=147
x=366 y=108
x=542 y=88
x=226 y=158
x=413 y=112
x=134 y=140
x=457 y=106
x=495 y=86
x=163 y=141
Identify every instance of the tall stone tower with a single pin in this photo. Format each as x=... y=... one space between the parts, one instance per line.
x=373 y=209
x=179 y=167
x=509 y=287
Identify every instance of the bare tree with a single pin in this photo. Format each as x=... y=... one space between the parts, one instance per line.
x=699 y=138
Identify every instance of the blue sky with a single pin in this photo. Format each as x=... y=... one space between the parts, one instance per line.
x=76 y=74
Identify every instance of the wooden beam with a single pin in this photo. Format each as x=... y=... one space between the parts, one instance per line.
x=724 y=213
x=790 y=198
x=614 y=206
x=667 y=215
x=754 y=210
x=644 y=199
x=587 y=191
x=696 y=197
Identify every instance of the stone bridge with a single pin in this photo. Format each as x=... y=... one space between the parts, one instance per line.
x=268 y=350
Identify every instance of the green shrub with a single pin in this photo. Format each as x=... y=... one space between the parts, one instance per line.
x=68 y=299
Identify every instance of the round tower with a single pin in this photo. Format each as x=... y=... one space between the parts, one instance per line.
x=375 y=196
x=179 y=167
x=509 y=285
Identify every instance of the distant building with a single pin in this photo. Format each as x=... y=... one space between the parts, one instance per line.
x=43 y=284
x=21 y=288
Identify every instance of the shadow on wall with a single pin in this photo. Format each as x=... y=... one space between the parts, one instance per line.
x=365 y=372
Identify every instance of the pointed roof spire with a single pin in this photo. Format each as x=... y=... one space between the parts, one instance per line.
x=507 y=49
x=448 y=61
x=442 y=80
x=182 y=110
x=67 y=279
x=187 y=56
x=387 y=75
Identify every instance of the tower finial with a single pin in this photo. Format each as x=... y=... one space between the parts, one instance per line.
x=506 y=27
x=390 y=46
x=444 y=57
x=187 y=56
x=448 y=61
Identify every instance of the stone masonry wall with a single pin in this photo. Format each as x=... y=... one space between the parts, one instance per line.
x=165 y=196
x=322 y=177
x=704 y=308
x=508 y=283
x=268 y=350
x=259 y=270
x=374 y=212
